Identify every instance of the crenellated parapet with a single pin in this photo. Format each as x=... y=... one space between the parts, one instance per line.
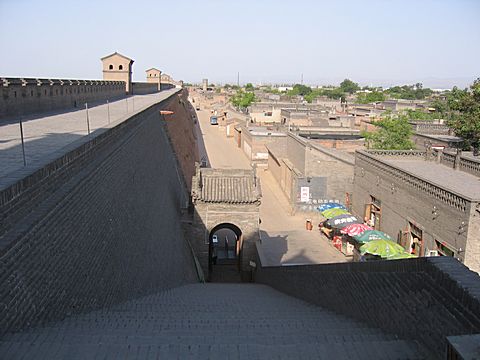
x=25 y=96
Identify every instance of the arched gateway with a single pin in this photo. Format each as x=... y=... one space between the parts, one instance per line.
x=226 y=219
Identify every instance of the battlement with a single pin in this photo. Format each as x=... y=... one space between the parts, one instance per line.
x=26 y=96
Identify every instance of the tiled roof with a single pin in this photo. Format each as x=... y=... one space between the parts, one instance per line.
x=242 y=188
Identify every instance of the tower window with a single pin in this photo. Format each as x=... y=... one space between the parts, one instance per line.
x=110 y=67
x=120 y=67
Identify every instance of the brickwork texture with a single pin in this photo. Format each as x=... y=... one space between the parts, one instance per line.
x=99 y=227
x=425 y=299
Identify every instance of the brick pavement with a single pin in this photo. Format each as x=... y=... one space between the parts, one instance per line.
x=46 y=134
x=208 y=321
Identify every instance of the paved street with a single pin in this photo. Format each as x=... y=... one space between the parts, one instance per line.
x=284 y=237
x=47 y=134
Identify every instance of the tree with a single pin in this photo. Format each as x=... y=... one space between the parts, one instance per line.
x=299 y=89
x=420 y=115
x=366 y=98
x=393 y=133
x=349 y=86
x=409 y=92
x=242 y=99
x=464 y=114
x=249 y=87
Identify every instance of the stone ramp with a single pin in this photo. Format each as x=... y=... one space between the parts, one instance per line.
x=208 y=321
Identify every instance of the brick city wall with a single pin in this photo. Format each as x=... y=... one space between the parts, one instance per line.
x=181 y=131
x=140 y=88
x=29 y=96
x=423 y=299
x=100 y=225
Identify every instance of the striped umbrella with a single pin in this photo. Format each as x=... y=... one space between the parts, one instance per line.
x=355 y=229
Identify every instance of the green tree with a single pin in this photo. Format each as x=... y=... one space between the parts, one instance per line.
x=393 y=133
x=242 y=99
x=299 y=89
x=349 y=86
x=464 y=114
x=421 y=115
x=409 y=92
x=249 y=87
x=366 y=98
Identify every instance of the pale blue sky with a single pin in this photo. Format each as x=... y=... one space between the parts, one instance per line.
x=436 y=42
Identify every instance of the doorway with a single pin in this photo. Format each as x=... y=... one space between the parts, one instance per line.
x=373 y=213
x=225 y=253
x=415 y=240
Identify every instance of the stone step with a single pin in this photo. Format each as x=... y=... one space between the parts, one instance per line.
x=208 y=321
x=397 y=349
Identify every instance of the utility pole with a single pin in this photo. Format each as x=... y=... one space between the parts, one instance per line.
x=238 y=79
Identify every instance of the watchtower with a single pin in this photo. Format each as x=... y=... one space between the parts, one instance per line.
x=118 y=67
x=154 y=76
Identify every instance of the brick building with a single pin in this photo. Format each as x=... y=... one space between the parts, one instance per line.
x=429 y=201
x=310 y=174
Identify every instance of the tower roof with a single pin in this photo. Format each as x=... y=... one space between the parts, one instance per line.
x=117 y=54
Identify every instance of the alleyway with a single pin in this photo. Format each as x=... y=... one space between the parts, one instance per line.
x=284 y=238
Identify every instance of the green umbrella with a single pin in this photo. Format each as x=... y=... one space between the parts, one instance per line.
x=330 y=213
x=383 y=248
x=370 y=235
x=399 y=256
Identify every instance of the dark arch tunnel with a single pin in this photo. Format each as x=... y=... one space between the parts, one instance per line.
x=224 y=251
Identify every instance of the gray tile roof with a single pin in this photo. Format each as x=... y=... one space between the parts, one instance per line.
x=226 y=186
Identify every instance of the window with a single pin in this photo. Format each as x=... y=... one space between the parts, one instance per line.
x=110 y=67
x=120 y=67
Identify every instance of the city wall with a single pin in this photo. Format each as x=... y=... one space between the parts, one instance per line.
x=141 y=88
x=21 y=96
x=424 y=300
x=98 y=226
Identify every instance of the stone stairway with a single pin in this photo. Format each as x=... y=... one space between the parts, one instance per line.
x=208 y=321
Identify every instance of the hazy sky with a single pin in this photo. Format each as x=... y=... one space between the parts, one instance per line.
x=436 y=42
